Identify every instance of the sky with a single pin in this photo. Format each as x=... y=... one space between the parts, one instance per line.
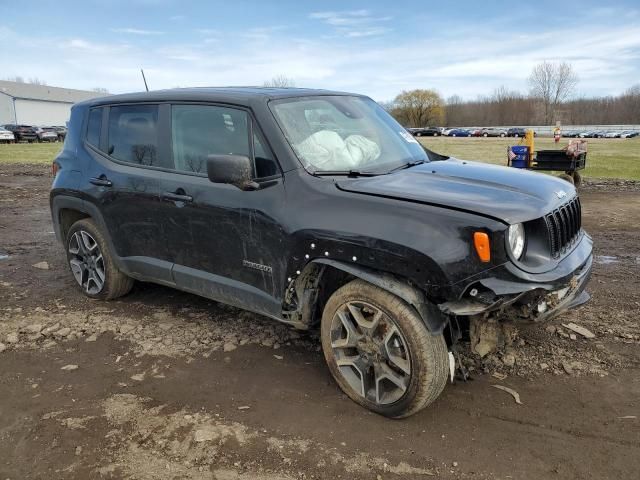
x=377 y=48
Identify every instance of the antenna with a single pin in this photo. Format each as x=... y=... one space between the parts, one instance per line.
x=145 y=80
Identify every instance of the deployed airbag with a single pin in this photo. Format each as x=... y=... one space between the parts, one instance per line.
x=326 y=150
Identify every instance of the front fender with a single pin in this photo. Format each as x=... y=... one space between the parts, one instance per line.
x=433 y=318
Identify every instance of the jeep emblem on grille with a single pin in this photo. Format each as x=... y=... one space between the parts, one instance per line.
x=561 y=194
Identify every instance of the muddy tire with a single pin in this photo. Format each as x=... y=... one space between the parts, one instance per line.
x=91 y=263
x=577 y=179
x=380 y=352
x=567 y=177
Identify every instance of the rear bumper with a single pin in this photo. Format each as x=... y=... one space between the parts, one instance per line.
x=524 y=296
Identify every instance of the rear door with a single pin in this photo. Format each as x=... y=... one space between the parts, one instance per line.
x=124 y=143
x=225 y=243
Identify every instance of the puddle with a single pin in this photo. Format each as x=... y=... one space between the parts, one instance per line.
x=3 y=256
x=606 y=259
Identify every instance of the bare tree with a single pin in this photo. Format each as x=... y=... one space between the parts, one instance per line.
x=552 y=83
x=37 y=81
x=280 y=81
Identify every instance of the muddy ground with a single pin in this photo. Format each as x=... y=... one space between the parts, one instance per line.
x=166 y=385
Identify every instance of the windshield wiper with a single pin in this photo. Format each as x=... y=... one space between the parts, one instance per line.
x=407 y=165
x=348 y=173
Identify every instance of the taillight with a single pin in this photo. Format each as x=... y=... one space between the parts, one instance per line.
x=54 y=169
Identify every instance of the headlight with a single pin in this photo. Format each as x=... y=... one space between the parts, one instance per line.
x=516 y=240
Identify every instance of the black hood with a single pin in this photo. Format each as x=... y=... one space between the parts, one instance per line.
x=508 y=194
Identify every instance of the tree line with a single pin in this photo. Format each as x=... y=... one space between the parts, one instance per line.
x=551 y=86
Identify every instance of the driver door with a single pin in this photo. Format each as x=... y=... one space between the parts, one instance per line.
x=226 y=244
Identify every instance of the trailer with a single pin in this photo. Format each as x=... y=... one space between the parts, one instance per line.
x=569 y=160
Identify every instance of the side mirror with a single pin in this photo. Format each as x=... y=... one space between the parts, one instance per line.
x=232 y=169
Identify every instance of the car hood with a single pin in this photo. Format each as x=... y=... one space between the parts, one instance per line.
x=503 y=193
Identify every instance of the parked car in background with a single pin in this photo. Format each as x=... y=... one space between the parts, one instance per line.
x=493 y=132
x=459 y=132
x=629 y=134
x=570 y=133
x=6 y=136
x=425 y=131
x=475 y=131
x=61 y=131
x=447 y=131
x=517 y=132
x=612 y=134
x=46 y=134
x=22 y=133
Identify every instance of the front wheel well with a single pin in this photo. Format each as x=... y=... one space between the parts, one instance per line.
x=309 y=293
x=67 y=217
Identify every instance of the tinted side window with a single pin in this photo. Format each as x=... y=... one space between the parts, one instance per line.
x=94 y=125
x=133 y=134
x=200 y=130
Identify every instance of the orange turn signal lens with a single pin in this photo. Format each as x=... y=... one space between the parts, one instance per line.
x=481 y=242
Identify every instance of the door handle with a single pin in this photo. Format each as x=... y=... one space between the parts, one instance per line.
x=101 y=181
x=177 y=197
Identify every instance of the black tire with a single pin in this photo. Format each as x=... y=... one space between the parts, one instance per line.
x=116 y=284
x=577 y=179
x=436 y=134
x=418 y=134
x=485 y=135
x=427 y=354
x=502 y=135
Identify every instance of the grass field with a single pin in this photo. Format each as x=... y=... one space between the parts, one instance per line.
x=607 y=157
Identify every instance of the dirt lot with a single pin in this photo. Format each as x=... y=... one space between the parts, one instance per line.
x=166 y=385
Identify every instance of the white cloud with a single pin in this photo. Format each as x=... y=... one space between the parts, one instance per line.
x=137 y=31
x=353 y=23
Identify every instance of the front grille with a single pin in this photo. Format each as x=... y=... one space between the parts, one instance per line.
x=563 y=225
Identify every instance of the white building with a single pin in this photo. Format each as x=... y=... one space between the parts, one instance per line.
x=28 y=104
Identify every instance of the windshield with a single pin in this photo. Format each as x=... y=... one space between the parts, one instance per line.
x=343 y=133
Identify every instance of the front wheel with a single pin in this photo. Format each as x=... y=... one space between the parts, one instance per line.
x=91 y=263
x=379 y=351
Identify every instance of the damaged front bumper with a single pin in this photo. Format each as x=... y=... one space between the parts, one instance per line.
x=511 y=294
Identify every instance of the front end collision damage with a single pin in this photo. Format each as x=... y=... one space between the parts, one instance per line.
x=496 y=295
x=500 y=299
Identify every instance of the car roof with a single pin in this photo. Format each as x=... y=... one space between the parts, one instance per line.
x=237 y=95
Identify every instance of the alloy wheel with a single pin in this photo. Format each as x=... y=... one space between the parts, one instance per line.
x=370 y=352
x=86 y=261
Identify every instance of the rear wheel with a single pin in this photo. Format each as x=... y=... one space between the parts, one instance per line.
x=485 y=135
x=91 y=263
x=380 y=352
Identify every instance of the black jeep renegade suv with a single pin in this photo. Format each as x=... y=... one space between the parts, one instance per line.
x=315 y=207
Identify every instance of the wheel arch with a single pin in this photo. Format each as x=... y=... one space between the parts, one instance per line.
x=310 y=290
x=66 y=210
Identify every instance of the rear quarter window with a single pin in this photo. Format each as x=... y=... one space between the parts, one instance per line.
x=133 y=134
x=94 y=126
